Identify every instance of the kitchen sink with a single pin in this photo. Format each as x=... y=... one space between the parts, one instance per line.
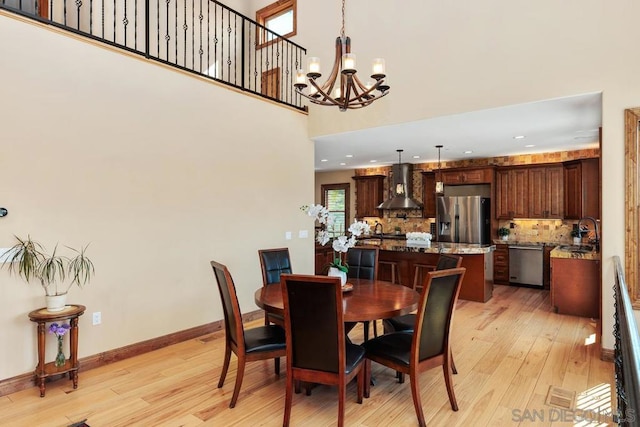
x=578 y=249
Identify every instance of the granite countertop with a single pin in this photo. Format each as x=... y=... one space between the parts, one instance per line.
x=561 y=251
x=401 y=245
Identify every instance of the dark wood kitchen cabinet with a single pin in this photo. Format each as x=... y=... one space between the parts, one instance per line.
x=501 y=264
x=428 y=194
x=323 y=257
x=369 y=194
x=582 y=188
x=512 y=190
x=483 y=175
x=546 y=195
x=575 y=287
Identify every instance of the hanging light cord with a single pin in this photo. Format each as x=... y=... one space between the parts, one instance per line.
x=342 y=29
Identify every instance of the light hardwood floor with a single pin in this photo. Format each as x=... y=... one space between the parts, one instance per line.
x=508 y=352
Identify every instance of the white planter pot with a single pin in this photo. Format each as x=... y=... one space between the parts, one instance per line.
x=336 y=272
x=505 y=237
x=56 y=302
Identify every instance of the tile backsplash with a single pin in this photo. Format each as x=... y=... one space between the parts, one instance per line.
x=543 y=230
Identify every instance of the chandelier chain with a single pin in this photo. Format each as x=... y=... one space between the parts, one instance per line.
x=342 y=29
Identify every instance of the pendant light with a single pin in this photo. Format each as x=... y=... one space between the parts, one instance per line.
x=439 y=183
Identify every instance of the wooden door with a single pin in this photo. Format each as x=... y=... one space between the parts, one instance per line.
x=270 y=83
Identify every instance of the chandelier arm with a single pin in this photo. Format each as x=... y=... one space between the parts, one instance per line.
x=321 y=97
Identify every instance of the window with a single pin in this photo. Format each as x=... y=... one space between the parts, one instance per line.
x=335 y=197
x=279 y=17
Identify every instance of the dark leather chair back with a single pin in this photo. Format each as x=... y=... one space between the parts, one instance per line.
x=230 y=306
x=363 y=263
x=435 y=313
x=274 y=262
x=446 y=261
x=313 y=305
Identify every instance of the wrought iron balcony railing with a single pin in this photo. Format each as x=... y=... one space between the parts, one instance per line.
x=199 y=36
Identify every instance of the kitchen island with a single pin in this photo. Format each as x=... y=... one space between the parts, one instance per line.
x=477 y=259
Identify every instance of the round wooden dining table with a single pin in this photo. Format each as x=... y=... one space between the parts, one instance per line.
x=369 y=300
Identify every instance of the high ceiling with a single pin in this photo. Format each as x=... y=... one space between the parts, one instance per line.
x=562 y=124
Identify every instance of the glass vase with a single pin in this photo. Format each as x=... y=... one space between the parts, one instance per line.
x=60 y=358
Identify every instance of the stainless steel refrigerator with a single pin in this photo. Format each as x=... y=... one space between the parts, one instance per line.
x=463 y=219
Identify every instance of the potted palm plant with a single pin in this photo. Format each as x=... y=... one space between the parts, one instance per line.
x=29 y=260
x=504 y=232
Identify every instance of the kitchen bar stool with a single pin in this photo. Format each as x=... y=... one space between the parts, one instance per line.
x=420 y=272
x=393 y=265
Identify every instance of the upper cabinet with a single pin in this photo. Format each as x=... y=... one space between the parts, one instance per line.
x=546 y=192
x=569 y=190
x=582 y=188
x=454 y=176
x=369 y=194
x=511 y=193
x=429 y=194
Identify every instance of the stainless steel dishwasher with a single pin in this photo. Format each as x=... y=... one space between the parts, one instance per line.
x=526 y=265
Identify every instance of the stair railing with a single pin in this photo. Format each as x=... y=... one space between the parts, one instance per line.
x=204 y=37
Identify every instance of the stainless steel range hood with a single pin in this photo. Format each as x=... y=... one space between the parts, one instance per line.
x=402 y=188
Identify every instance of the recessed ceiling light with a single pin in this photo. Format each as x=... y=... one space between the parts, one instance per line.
x=324 y=160
x=343 y=164
x=349 y=156
x=416 y=157
x=519 y=137
x=372 y=161
x=529 y=146
x=468 y=152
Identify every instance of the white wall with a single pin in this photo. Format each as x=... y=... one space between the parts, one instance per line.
x=454 y=57
x=137 y=160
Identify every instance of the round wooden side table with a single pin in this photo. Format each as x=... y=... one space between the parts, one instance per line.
x=41 y=316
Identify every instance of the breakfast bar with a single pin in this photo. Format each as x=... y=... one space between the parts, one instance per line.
x=410 y=259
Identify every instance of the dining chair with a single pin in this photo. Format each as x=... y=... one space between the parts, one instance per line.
x=259 y=343
x=363 y=264
x=407 y=322
x=317 y=351
x=429 y=344
x=274 y=262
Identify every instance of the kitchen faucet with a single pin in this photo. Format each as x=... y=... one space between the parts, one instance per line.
x=595 y=230
x=375 y=229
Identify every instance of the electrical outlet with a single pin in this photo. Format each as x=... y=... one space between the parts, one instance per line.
x=97 y=318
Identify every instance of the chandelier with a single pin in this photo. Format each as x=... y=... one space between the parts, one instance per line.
x=343 y=88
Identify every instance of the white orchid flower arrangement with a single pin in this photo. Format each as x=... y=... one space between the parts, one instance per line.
x=341 y=244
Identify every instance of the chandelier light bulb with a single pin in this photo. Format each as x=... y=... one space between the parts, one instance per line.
x=378 y=66
x=349 y=63
x=301 y=77
x=314 y=64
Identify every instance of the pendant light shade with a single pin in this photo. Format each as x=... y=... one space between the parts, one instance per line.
x=439 y=183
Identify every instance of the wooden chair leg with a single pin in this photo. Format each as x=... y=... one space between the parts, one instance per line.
x=288 y=399
x=225 y=365
x=361 y=377
x=342 y=396
x=448 y=379
x=415 y=393
x=375 y=328
x=239 y=377
x=277 y=365
x=367 y=383
x=453 y=365
x=266 y=318
x=365 y=324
